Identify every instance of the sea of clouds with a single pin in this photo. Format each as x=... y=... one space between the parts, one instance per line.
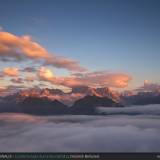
x=120 y=132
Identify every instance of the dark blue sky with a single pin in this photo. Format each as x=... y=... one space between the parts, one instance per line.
x=115 y=35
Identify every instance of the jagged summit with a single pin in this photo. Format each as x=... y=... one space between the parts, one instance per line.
x=70 y=97
x=88 y=104
x=100 y=92
x=51 y=101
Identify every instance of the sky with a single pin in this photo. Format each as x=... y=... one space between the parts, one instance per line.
x=119 y=39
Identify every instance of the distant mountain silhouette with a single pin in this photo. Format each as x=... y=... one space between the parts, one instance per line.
x=88 y=104
x=45 y=102
x=142 y=98
x=43 y=106
x=32 y=104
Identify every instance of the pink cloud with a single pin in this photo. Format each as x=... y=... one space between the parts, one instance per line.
x=11 y=71
x=30 y=78
x=149 y=87
x=19 y=48
x=91 y=79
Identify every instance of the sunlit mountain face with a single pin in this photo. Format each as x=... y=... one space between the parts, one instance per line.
x=79 y=101
x=70 y=97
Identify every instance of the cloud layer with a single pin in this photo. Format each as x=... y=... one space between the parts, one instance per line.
x=24 y=49
x=133 y=110
x=80 y=133
x=11 y=71
x=149 y=87
x=20 y=48
x=92 y=79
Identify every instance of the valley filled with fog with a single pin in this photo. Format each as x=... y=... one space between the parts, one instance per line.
x=129 y=129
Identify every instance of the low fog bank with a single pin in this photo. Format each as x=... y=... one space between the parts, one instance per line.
x=151 y=109
x=111 y=133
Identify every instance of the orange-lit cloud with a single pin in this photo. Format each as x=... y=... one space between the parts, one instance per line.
x=2 y=88
x=30 y=78
x=61 y=62
x=10 y=71
x=146 y=82
x=92 y=79
x=20 y=48
x=149 y=87
x=45 y=73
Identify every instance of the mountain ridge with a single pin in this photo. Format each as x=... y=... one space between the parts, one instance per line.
x=46 y=106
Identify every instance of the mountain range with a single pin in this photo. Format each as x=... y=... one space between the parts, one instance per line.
x=81 y=100
x=142 y=98
x=70 y=97
x=53 y=101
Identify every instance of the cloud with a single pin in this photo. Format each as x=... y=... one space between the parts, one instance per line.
x=61 y=62
x=79 y=133
x=45 y=73
x=149 y=87
x=146 y=82
x=20 y=48
x=132 y=110
x=2 y=88
x=10 y=71
x=104 y=78
x=29 y=69
x=30 y=78
x=23 y=48
x=92 y=79
x=17 y=80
